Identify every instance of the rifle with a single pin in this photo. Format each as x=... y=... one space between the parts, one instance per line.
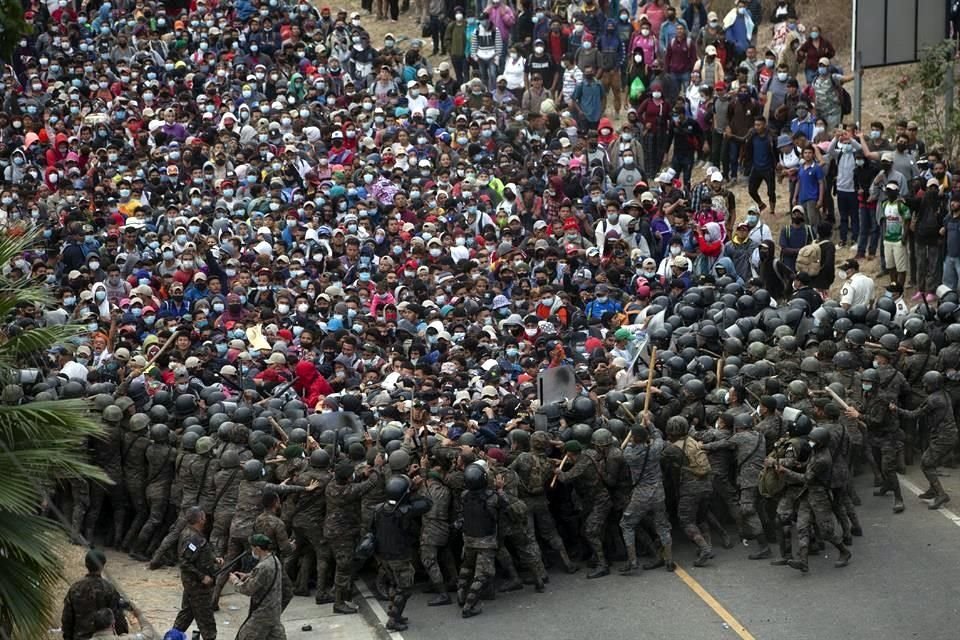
x=230 y=565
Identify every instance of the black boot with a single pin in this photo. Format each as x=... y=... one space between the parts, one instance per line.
x=800 y=561
x=844 y=558
x=939 y=501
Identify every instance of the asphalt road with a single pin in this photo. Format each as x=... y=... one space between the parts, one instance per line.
x=902 y=583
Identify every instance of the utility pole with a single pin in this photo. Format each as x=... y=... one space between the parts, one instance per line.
x=949 y=94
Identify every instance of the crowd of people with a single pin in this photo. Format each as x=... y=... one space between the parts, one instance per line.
x=321 y=273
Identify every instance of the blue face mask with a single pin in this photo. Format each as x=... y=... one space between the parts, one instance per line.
x=137 y=312
x=222 y=348
x=239 y=334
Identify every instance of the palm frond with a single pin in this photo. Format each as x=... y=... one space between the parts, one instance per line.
x=31 y=571
x=35 y=340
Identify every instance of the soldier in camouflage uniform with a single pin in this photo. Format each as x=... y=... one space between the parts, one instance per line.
x=106 y=454
x=160 y=458
x=249 y=504
x=586 y=476
x=198 y=570
x=880 y=389
x=616 y=476
x=787 y=360
x=226 y=481
x=264 y=585
x=913 y=367
x=513 y=528
x=749 y=446
x=482 y=510
x=192 y=475
x=642 y=455
x=814 y=503
x=828 y=416
x=435 y=554
x=135 y=443
x=341 y=526
x=271 y=525
x=722 y=465
x=312 y=547
x=937 y=410
x=86 y=596
x=394 y=528
x=692 y=468
x=533 y=470
x=789 y=452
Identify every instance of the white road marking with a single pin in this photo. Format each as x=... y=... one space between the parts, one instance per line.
x=915 y=490
x=377 y=609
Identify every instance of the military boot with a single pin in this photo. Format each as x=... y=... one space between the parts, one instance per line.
x=668 y=557
x=704 y=552
x=513 y=582
x=784 y=553
x=898 y=506
x=845 y=556
x=603 y=569
x=568 y=565
x=655 y=562
x=342 y=605
x=799 y=562
x=471 y=606
x=630 y=568
x=939 y=501
x=442 y=597
x=763 y=552
x=928 y=494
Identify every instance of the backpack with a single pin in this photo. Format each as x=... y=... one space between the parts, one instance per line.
x=808 y=259
x=697 y=462
x=846 y=102
x=637 y=89
x=539 y=472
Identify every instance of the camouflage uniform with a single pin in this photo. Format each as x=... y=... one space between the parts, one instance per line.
x=586 y=476
x=533 y=470
x=197 y=561
x=842 y=503
x=750 y=450
x=693 y=493
x=786 y=453
x=106 y=454
x=160 y=459
x=394 y=528
x=249 y=505
x=341 y=528
x=135 y=471
x=937 y=409
x=647 y=496
x=227 y=485
x=312 y=547
x=264 y=585
x=273 y=527
x=435 y=534
x=86 y=596
x=482 y=511
x=192 y=473
x=722 y=465
x=814 y=503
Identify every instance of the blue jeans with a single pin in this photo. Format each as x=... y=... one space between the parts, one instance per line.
x=810 y=75
x=682 y=80
x=951 y=272
x=848 y=207
x=869 y=238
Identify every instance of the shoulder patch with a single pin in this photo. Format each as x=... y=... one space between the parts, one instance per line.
x=191 y=546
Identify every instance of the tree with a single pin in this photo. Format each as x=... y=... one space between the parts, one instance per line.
x=12 y=27
x=921 y=95
x=41 y=444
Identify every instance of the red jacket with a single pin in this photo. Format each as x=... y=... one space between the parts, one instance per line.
x=310 y=384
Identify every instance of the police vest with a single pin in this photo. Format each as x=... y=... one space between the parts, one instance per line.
x=478 y=522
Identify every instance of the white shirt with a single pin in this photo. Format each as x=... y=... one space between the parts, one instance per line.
x=74 y=371
x=857 y=290
x=758 y=234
